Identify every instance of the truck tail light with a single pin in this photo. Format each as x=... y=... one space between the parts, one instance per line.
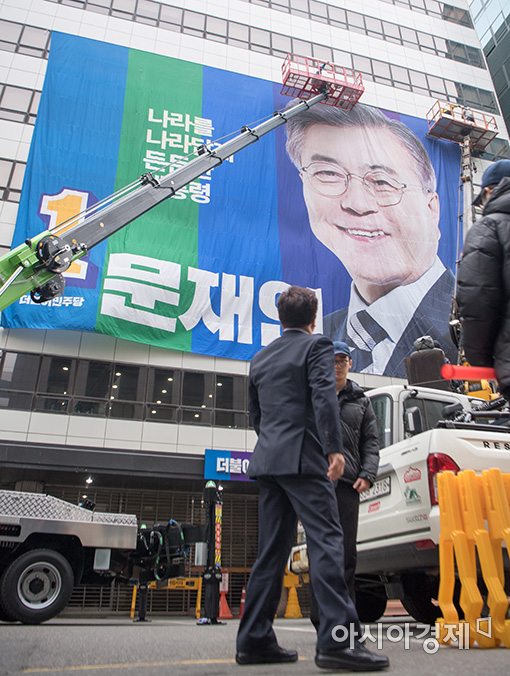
x=438 y=462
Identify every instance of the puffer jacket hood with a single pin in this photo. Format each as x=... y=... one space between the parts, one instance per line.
x=499 y=202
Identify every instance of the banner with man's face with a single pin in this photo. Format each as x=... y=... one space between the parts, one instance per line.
x=353 y=211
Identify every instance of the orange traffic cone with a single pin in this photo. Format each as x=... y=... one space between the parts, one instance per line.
x=243 y=601
x=225 y=613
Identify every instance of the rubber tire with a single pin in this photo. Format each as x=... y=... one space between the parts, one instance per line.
x=419 y=590
x=371 y=602
x=11 y=602
x=4 y=617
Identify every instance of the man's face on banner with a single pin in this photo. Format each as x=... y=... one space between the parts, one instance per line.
x=366 y=203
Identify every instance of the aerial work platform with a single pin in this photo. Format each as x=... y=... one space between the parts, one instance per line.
x=454 y=122
x=304 y=77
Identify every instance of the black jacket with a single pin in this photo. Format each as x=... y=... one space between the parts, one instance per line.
x=484 y=287
x=360 y=433
x=293 y=406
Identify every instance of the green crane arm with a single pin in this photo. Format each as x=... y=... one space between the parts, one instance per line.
x=36 y=266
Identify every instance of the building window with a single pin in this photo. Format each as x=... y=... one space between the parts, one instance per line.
x=11 y=179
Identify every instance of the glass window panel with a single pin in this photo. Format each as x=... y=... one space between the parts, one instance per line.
x=355 y=20
x=124 y=5
x=11 y=115
x=231 y=420
x=93 y=379
x=17 y=175
x=51 y=405
x=164 y=386
x=418 y=4
x=362 y=63
x=101 y=3
x=10 y=32
x=337 y=15
x=418 y=78
x=128 y=383
x=56 y=375
x=425 y=40
x=31 y=51
x=34 y=37
x=323 y=52
x=281 y=42
x=441 y=44
x=198 y=389
x=18 y=401
x=301 y=47
x=16 y=98
x=391 y=29
x=218 y=26
x=260 y=37
x=318 y=8
x=381 y=69
x=19 y=371
x=148 y=8
x=409 y=35
x=436 y=84
x=237 y=31
x=451 y=87
x=299 y=4
x=342 y=58
x=373 y=24
x=5 y=172
x=194 y=20
x=196 y=416
x=382 y=406
x=34 y=106
x=400 y=74
x=171 y=14
x=122 y=409
x=87 y=407
x=7 y=46
x=475 y=57
x=155 y=413
x=230 y=392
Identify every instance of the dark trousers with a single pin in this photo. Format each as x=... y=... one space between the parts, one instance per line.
x=313 y=500
x=348 y=509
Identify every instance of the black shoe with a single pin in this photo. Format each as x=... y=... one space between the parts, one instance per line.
x=358 y=658
x=268 y=656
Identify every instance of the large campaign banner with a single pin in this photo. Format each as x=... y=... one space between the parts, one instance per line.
x=363 y=213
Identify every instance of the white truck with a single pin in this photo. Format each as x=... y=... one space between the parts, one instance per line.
x=398 y=531
x=47 y=546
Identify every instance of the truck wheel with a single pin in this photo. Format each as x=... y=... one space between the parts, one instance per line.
x=371 y=599
x=36 y=586
x=420 y=591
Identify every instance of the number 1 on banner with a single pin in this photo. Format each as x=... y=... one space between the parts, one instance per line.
x=60 y=208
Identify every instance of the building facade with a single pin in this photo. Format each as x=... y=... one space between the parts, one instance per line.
x=137 y=418
x=492 y=23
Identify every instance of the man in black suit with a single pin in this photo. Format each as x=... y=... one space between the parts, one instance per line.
x=370 y=191
x=296 y=460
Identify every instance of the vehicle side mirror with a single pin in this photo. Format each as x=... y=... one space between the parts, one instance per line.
x=413 y=422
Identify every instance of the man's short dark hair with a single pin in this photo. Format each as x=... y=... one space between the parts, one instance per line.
x=364 y=117
x=297 y=307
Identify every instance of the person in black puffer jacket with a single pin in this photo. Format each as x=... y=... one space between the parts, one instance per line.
x=483 y=293
x=361 y=451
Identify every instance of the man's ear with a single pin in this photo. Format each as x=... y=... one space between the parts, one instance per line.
x=434 y=211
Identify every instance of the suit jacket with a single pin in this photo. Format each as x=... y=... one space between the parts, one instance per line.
x=292 y=399
x=430 y=319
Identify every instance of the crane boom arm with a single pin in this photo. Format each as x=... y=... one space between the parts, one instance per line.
x=36 y=266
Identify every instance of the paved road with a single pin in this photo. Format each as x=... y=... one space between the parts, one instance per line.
x=118 y=647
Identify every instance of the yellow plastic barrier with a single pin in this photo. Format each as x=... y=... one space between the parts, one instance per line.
x=467 y=501
x=182 y=583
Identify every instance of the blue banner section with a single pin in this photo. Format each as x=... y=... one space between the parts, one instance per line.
x=72 y=164
x=238 y=234
x=226 y=465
